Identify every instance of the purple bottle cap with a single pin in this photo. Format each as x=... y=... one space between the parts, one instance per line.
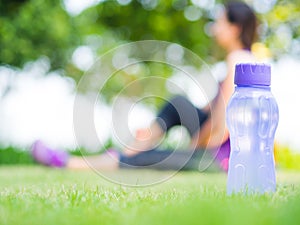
x=252 y=74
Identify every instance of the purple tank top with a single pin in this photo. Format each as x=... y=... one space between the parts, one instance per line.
x=222 y=155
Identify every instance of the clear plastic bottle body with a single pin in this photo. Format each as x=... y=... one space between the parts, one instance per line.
x=252 y=119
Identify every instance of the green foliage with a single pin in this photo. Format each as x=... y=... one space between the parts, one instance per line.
x=111 y=24
x=287 y=159
x=33 y=28
x=15 y=156
x=281 y=27
x=12 y=155
x=136 y=21
x=30 y=29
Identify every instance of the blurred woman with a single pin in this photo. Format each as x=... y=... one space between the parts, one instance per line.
x=234 y=31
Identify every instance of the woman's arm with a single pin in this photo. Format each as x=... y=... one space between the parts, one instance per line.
x=214 y=131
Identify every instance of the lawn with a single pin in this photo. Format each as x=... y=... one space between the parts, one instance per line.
x=38 y=195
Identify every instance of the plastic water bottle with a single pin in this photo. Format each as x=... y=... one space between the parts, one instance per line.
x=252 y=118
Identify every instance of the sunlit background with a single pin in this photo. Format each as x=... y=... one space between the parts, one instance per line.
x=46 y=47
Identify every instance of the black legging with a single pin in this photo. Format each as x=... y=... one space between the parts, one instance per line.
x=200 y=160
x=178 y=111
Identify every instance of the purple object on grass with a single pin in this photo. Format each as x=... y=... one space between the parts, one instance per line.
x=48 y=156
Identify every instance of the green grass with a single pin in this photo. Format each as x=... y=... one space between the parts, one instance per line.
x=37 y=195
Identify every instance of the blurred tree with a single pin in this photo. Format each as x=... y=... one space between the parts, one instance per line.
x=8 y=7
x=112 y=23
x=176 y=21
x=32 y=28
x=280 y=29
x=187 y=23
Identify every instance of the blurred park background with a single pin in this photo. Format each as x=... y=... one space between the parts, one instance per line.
x=47 y=46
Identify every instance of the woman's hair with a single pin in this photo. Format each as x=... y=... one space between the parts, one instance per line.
x=243 y=16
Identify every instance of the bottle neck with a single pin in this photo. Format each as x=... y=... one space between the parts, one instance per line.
x=254 y=86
